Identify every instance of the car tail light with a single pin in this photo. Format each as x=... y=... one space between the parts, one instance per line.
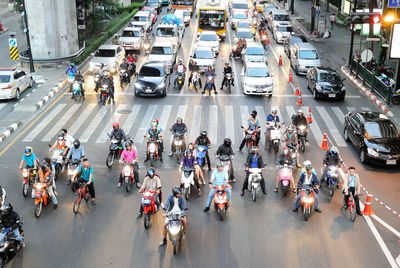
x=9 y=87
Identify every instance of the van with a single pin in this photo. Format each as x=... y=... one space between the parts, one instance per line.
x=278 y=16
x=143 y=20
x=304 y=56
x=239 y=6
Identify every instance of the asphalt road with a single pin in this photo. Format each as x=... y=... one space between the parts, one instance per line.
x=253 y=234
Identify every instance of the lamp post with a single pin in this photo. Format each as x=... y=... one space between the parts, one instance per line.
x=28 y=41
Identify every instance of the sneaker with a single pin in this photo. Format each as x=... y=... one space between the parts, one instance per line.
x=93 y=202
x=146 y=160
x=171 y=153
x=206 y=209
x=242 y=193
x=162 y=205
x=215 y=92
x=318 y=210
x=163 y=242
x=55 y=206
x=295 y=209
x=161 y=160
x=276 y=189
x=199 y=193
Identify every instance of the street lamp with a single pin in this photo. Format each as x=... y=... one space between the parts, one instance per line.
x=389 y=18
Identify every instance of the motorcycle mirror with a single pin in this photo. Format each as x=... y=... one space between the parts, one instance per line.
x=242 y=127
x=50 y=145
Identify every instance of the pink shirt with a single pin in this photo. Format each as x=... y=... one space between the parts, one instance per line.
x=129 y=156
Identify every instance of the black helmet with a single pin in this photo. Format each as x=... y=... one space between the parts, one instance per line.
x=203 y=133
x=6 y=209
x=60 y=134
x=77 y=143
x=179 y=119
x=128 y=143
x=188 y=151
x=254 y=113
x=176 y=191
x=78 y=72
x=309 y=167
x=150 y=172
x=44 y=165
x=227 y=142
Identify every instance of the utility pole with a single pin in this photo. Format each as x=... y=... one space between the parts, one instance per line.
x=292 y=6
x=352 y=29
x=28 y=41
x=313 y=3
x=327 y=15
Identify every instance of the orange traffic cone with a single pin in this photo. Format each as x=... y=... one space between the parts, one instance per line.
x=367 y=209
x=297 y=90
x=290 y=77
x=309 y=119
x=324 y=145
x=268 y=41
x=299 y=100
x=280 y=60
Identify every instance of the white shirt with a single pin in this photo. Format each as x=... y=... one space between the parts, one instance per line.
x=180 y=69
x=70 y=140
x=307 y=179
x=176 y=209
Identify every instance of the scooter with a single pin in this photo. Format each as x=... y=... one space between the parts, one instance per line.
x=72 y=170
x=58 y=162
x=221 y=203
x=10 y=246
x=115 y=151
x=307 y=200
x=285 y=177
x=152 y=150
x=104 y=94
x=195 y=80
x=124 y=77
x=235 y=53
x=77 y=90
x=332 y=179
x=228 y=82
x=28 y=177
x=179 y=143
x=181 y=80
x=175 y=230
x=275 y=136
x=149 y=207
x=209 y=84
x=250 y=136
x=255 y=182
x=187 y=180
x=201 y=152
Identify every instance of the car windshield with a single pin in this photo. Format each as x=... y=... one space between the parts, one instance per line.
x=203 y=54
x=152 y=1
x=239 y=16
x=244 y=34
x=257 y=72
x=244 y=24
x=4 y=78
x=106 y=53
x=255 y=51
x=240 y=6
x=269 y=8
x=281 y=17
x=140 y=18
x=166 y=32
x=328 y=77
x=130 y=34
x=208 y=37
x=161 y=51
x=287 y=29
x=150 y=71
x=261 y=2
x=381 y=130
x=308 y=54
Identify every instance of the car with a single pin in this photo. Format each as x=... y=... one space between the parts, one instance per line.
x=246 y=24
x=152 y=80
x=256 y=79
x=109 y=55
x=291 y=40
x=131 y=38
x=204 y=56
x=244 y=33
x=260 y=5
x=281 y=31
x=265 y=15
x=325 y=83
x=277 y=16
x=236 y=17
x=209 y=39
x=183 y=15
x=168 y=32
x=375 y=137
x=254 y=52
x=142 y=19
x=304 y=56
x=13 y=82
x=154 y=4
x=163 y=52
x=239 y=6
x=153 y=13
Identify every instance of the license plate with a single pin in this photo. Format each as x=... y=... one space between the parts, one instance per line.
x=391 y=162
x=332 y=95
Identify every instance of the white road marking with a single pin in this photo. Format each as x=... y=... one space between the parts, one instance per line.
x=245 y=114
x=82 y=118
x=145 y=123
x=229 y=124
x=351 y=109
x=165 y=114
x=367 y=109
x=332 y=127
x=196 y=122
x=22 y=99
x=398 y=260
x=390 y=228
x=262 y=118
x=213 y=123
x=315 y=129
x=107 y=127
x=27 y=95
x=339 y=114
x=127 y=125
x=42 y=125
x=94 y=123
x=16 y=104
x=182 y=112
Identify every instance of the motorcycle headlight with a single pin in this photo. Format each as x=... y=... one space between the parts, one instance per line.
x=174 y=230
x=178 y=142
x=372 y=152
x=146 y=46
x=24 y=173
x=209 y=78
x=294 y=155
x=234 y=47
x=333 y=169
x=105 y=86
x=263 y=37
x=162 y=85
x=307 y=199
x=302 y=128
x=56 y=153
x=201 y=149
x=137 y=85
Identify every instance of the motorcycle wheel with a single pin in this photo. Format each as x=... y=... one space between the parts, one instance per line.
x=77 y=204
x=38 y=210
x=151 y=161
x=229 y=87
x=396 y=100
x=254 y=194
x=110 y=159
x=104 y=100
x=25 y=187
x=307 y=214
x=186 y=193
x=128 y=184
x=146 y=221
x=331 y=189
x=176 y=247
x=276 y=147
x=178 y=154
x=220 y=214
x=353 y=213
x=285 y=190
x=57 y=172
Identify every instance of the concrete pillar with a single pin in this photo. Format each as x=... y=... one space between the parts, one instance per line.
x=125 y=3
x=52 y=27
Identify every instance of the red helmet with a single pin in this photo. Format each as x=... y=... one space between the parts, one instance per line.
x=115 y=125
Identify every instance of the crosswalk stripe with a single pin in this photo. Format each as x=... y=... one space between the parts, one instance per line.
x=262 y=118
x=213 y=123
x=2 y=105
x=145 y=123
x=339 y=114
x=42 y=125
x=351 y=109
x=182 y=111
x=81 y=119
x=127 y=125
x=315 y=129
x=290 y=111
x=94 y=123
x=196 y=122
x=229 y=124
x=332 y=127
x=60 y=123
x=165 y=114
x=114 y=118
x=244 y=113
x=366 y=109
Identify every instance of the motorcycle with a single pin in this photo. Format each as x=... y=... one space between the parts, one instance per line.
x=285 y=177
x=302 y=134
x=292 y=152
x=255 y=182
x=332 y=179
x=57 y=159
x=124 y=77
x=250 y=136
x=72 y=170
x=263 y=37
x=307 y=200
x=10 y=246
x=201 y=152
x=39 y=193
x=236 y=53
x=128 y=175
x=132 y=67
x=97 y=81
x=228 y=81
x=28 y=177
x=149 y=207
x=221 y=203
x=195 y=80
x=210 y=84
x=104 y=94
x=152 y=150
x=175 y=230
x=226 y=160
x=275 y=136
x=187 y=180
x=396 y=97
x=115 y=151
x=181 y=80
x=179 y=142
x=76 y=89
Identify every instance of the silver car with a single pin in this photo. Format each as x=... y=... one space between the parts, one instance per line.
x=108 y=55
x=13 y=82
x=254 y=52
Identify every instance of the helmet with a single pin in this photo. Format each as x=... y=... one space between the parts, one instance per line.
x=115 y=126
x=150 y=172
x=220 y=164
x=254 y=114
x=155 y=120
x=28 y=150
x=6 y=209
x=227 y=142
x=179 y=119
x=78 y=72
x=188 y=151
x=44 y=165
x=290 y=128
x=274 y=110
x=203 y=133
x=333 y=150
x=176 y=191
x=254 y=150
x=115 y=35
x=180 y=61
x=85 y=159
x=307 y=163
x=72 y=65
x=226 y=63
x=286 y=150
x=128 y=143
x=309 y=167
x=300 y=111
x=77 y=143
x=154 y=124
x=60 y=136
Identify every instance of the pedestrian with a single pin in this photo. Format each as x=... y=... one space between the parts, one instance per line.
x=351 y=185
x=332 y=19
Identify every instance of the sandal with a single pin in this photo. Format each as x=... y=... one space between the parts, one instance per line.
x=276 y=189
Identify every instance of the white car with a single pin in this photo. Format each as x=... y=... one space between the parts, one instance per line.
x=13 y=82
x=143 y=20
x=236 y=17
x=209 y=39
x=131 y=38
x=254 y=52
x=183 y=15
x=244 y=33
x=282 y=31
x=204 y=56
x=109 y=55
x=163 y=52
x=256 y=79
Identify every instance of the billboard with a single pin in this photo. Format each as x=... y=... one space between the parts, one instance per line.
x=395 y=42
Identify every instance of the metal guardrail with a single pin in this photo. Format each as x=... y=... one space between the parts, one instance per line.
x=369 y=78
x=25 y=58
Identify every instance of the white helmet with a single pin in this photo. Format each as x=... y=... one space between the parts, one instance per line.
x=300 y=111
x=274 y=110
x=307 y=163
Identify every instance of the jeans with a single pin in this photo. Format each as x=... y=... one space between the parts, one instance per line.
x=16 y=233
x=298 y=200
x=212 y=192
x=356 y=200
x=50 y=190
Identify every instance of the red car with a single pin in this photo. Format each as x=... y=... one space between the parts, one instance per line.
x=153 y=13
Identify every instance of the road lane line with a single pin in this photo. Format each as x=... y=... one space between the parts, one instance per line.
x=229 y=124
x=165 y=114
x=42 y=125
x=335 y=133
x=262 y=119
x=367 y=109
x=315 y=129
x=244 y=114
x=145 y=123
x=127 y=125
x=290 y=112
x=188 y=59
x=233 y=65
x=182 y=112
x=196 y=122
x=213 y=123
x=339 y=114
x=60 y=123
x=94 y=123
x=390 y=228
x=107 y=127
x=81 y=119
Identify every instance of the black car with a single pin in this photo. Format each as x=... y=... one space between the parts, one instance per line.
x=375 y=137
x=152 y=80
x=325 y=83
x=291 y=40
x=154 y=4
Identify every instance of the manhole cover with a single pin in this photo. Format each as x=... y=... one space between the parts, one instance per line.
x=124 y=111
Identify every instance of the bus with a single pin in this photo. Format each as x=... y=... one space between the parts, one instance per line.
x=212 y=16
x=184 y=4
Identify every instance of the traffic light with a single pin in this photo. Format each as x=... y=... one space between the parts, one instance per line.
x=375 y=19
x=367 y=20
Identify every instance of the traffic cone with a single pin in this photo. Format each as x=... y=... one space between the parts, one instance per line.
x=309 y=119
x=324 y=145
x=297 y=90
x=290 y=77
x=299 y=100
x=268 y=41
x=1 y=27
x=280 y=60
x=367 y=209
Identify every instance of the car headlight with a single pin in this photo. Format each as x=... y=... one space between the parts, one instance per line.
x=162 y=85
x=302 y=66
x=318 y=87
x=137 y=85
x=372 y=152
x=302 y=128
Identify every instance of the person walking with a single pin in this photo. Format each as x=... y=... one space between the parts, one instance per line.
x=332 y=20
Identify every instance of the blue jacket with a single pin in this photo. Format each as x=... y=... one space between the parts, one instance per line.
x=270 y=118
x=170 y=204
x=69 y=69
x=302 y=179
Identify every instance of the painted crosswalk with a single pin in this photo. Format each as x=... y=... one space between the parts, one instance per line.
x=91 y=123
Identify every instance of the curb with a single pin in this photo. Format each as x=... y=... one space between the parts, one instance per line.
x=12 y=128
x=367 y=92
x=51 y=94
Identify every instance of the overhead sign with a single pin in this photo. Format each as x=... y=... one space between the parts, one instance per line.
x=395 y=42
x=394 y=3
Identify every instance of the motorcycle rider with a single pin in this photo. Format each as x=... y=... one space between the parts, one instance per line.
x=10 y=219
x=130 y=156
x=193 y=67
x=118 y=134
x=188 y=160
x=125 y=66
x=252 y=124
x=77 y=152
x=272 y=117
x=199 y=172
x=178 y=127
x=305 y=164
x=254 y=160
x=70 y=140
x=285 y=158
x=85 y=175
x=3 y=195
x=331 y=158
x=226 y=149
x=218 y=177
x=109 y=80
x=115 y=39
x=210 y=72
x=30 y=158
x=61 y=144
x=351 y=184
x=79 y=78
x=203 y=140
x=151 y=183
x=308 y=178
x=290 y=140
x=71 y=69
x=227 y=70
x=299 y=119
x=175 y=204
x=154 y=133
x=101 y=71
x=46 y=176
x=179 y=68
